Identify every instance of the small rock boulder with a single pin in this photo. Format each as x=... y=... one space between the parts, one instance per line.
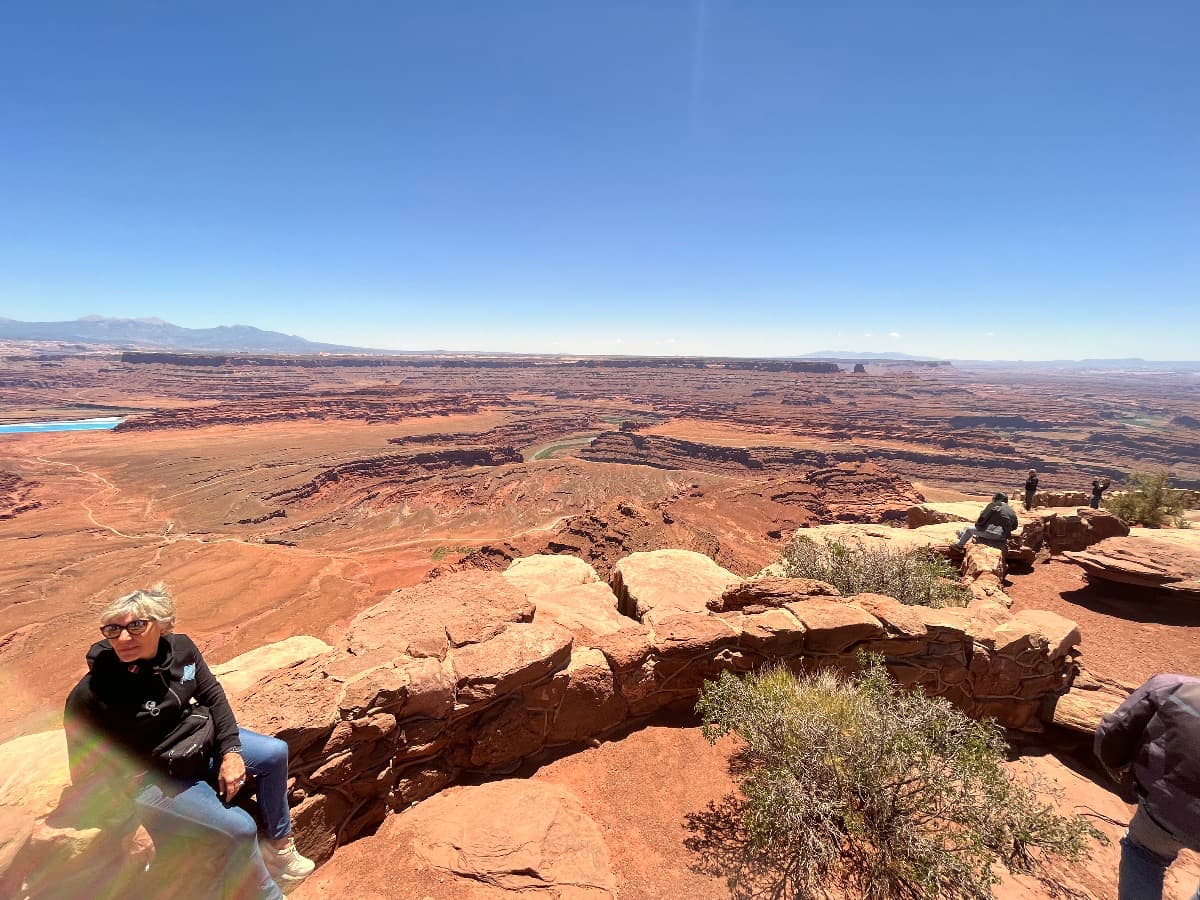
x=668 y=582
x=516 y=835
x=522 y=654
x=769 y=592
x=923 y=514
x=239 y=675
x=832 y=626
x=1166 y=562
x=545 y=573
x=1038 y=630
x=428 y=618
x=585 y=610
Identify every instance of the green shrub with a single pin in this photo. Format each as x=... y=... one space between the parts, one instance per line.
x=856 y=783
x=916 y=577
x=1148 y=499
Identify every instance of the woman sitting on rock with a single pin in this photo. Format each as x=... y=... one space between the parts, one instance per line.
x=150 y=722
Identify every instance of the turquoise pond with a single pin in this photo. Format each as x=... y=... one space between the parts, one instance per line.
x=79 y=425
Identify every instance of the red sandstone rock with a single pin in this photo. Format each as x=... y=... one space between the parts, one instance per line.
x=832 y=626
x=591 y=704
x=471 y=606
x=586 y=610
x=899 y=619
x=863 y=492
x=513 y=836
x=666 y=582
x=690 y=634
x=16 y=495
x=297 y=705
x=774 y=630
x=769 y=592
x=545 y=573
x=1034 y=629
x=1168 y=561
x=1089 y=700
x=923 y=514
x=626 y=649
x=980 y=559
x=519 y=655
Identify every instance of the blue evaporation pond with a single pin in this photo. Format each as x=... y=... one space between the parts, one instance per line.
x=79 y=425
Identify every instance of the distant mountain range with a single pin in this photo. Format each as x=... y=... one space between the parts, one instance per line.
x=156 y=334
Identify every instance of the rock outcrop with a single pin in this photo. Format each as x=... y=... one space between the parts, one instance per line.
x=514 y=834
x=1166 y=561
x=1090 y=699
x=1052 y=530
x=368 y=406
x=16 y=495
x=466 y=676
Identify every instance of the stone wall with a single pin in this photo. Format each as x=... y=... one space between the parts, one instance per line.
x=476 y=672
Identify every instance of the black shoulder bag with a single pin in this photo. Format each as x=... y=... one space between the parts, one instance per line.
x=186 y=751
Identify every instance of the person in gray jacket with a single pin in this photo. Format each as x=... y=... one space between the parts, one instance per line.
x=1156 y=734
x=995 y=524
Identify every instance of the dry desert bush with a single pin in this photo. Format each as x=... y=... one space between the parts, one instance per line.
x=855 y=786
x=917 y=577
x=1149 y=499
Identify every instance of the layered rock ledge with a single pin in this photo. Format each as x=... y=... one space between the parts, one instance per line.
x=476 y=672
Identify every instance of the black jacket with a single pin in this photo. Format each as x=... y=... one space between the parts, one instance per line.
x=1157 y=732
x=113 y=709
x=997 y=513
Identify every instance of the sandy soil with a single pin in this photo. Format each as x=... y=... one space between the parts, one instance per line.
x=1128 y=635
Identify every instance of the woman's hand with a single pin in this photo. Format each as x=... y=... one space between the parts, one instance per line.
x=232 y=775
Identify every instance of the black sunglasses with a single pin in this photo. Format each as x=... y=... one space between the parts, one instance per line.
x=136 y=627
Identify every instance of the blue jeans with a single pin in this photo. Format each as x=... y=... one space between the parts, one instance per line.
x=213 y=845
x=1146 y=851
x=991 y=540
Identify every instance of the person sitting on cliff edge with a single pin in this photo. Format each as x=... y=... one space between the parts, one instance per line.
x=151 y=734
x=1154 y=736
x=995 y=524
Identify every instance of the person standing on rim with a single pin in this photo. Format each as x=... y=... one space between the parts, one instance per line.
x=1099 y=486
x=1155 y=735
x=1031 y=484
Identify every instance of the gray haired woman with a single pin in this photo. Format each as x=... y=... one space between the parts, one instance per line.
x=150 y=721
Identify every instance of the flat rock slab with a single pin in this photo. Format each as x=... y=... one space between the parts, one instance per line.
x=769 y=592
x=667 y=582
x=429 y=618
x=516 y=835
x=585 y=610
x=520 y=655
x=1163 y=560
x=240 y=674
x=545 y=573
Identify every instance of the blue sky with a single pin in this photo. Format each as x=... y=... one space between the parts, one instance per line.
x=1005 y=180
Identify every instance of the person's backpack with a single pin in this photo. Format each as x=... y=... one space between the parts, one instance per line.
x=185 y=752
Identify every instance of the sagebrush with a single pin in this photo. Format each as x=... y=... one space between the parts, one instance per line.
x=918 y=577
x=1148 y=499
x=854 y=784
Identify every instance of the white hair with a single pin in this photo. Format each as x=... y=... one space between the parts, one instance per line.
x=155 y=604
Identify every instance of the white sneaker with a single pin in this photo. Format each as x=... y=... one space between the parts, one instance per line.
x=286 y=866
